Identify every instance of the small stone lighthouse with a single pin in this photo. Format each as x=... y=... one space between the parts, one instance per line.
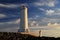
x=40 y=33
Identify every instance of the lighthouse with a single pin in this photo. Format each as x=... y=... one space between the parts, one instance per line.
x=40 y=33
x=24 y=20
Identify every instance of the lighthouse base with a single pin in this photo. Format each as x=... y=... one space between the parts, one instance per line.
x=23 y=30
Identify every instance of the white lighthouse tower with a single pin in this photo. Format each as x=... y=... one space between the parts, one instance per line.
x=24 y=20
x=40 y=33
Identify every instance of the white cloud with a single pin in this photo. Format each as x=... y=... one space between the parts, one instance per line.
x=49 y=24
x=33 y=23
x=51 y=20
x=39 y=4
x=53 y=25
x=17 y=21
x=49 y=12
x=52 y=12
x=50 y=3
x=10 y=29
x=9 y=5
x=57 y=11
x=2 y=15
x=36 y=16
x=45 y=20
x=41 y=9
x=10 y=26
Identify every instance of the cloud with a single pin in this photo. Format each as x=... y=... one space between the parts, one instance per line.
x=17 y=21
x=49 y=24
x=49 y=12
x=2 y=16
x=50 y=3
x=53 y=25
x=39 y=4
x=44 y=19
x=41 y=9
x=53 y=12
x=11 y=26
x=11 y=5
x=51 y=20
x=37 y=20
x=40 y=28
x=10 y=29
x=33 y=23
x=57 y=11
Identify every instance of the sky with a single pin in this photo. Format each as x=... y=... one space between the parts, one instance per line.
x=42 y=15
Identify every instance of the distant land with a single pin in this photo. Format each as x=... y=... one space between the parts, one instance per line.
x=21 y=36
